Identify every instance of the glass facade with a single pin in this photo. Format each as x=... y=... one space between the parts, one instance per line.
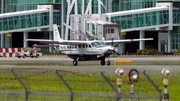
x=137 y=4
x=175 y=38
x=142 y=19
x=176 y=16
x=23 y=5
x=27 y=21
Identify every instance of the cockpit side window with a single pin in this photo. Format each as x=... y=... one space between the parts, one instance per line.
x=94 y=44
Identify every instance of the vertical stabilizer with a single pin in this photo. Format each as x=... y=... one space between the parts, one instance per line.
x=56 y=33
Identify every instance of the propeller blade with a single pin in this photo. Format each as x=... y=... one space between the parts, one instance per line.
x=112 y=42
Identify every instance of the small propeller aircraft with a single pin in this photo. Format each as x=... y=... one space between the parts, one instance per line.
x=85 y=50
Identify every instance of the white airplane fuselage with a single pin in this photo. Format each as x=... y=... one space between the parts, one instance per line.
x=88 y=51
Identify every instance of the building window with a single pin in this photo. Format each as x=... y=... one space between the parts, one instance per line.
x=112 y=30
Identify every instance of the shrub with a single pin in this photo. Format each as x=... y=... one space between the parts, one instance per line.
x=149 y=50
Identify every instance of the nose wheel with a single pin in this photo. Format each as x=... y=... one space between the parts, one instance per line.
x=75 y=63
x=102 y=62
x=108 y=63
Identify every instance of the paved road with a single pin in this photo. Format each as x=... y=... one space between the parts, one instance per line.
x=153 y=69
x=65 y=58
x=95 y=69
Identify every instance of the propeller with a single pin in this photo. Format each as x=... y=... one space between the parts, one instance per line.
x=112 y=43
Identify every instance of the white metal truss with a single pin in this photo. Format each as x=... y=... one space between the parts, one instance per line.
x=73 y=4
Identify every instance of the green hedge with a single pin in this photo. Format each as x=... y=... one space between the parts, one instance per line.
x=177 y=53
x=148 y=52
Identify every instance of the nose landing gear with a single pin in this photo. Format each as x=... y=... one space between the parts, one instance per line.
x=108 y=63
x=102 y=62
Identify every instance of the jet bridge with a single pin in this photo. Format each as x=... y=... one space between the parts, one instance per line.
x=41 y=18
x=24 y=20
x=141 y=19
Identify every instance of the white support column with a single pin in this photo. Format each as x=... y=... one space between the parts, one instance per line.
x=25 y=35
x=99 y=7
x=90 y=28
x=50 y=38
x=170 y=16
x=141 y=43
x=2 y=40
x=82 y=7
x=169 y=41
x=62 y=19
x=51 y=18
x=70 y=7
x=76 y=7
x=2 y=6
x=109 y=6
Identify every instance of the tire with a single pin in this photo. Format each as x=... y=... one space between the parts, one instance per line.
x=32 y=56
x=75 y=63
x=36 y=56
x=102 y=62
x=23 y=56
x=108 y=63
x=19 y=56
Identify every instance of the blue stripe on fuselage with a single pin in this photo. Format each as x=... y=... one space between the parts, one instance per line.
x=100 y=46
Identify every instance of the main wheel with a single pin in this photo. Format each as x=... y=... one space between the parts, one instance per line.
x=32 y=56
x=108 y=63
x=75 y=63
x=23 y=56
x=36 y=56
x=19 y=56
x=102 y=62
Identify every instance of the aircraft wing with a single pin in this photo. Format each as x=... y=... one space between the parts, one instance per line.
x=126 y=40
x=62 y=42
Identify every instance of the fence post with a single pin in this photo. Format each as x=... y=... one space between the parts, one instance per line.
x=152 y=83
x=61 y=78
x=26 y=98
x=110 y=84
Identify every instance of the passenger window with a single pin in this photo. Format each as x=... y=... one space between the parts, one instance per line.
x=89 y=46
x=79 y=46
x=83 y=46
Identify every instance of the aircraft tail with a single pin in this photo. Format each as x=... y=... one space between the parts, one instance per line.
x=56 y=34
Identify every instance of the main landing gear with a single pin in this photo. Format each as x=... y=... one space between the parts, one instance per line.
x=75 y=63
x=103 y=62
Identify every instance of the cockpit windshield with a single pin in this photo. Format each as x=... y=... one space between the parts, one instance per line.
x=103 y=43
x=94 y=44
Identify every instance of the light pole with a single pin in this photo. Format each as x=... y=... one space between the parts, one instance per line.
x=166 y=73
x=119 y=72
x=132 y=77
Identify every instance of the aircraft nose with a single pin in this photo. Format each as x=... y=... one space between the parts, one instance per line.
x=111 y=48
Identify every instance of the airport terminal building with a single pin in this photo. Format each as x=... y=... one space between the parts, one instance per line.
x=96 y=19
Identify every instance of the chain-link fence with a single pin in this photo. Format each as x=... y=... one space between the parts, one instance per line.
x=35 y=84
